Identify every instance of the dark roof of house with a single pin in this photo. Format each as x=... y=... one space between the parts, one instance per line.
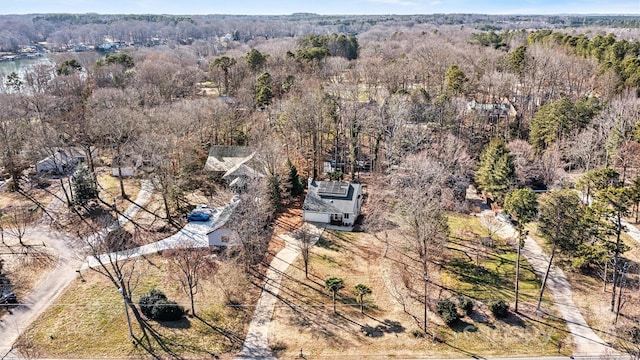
x=332 y=197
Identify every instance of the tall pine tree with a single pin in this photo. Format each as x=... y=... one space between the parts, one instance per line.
x=496 y=173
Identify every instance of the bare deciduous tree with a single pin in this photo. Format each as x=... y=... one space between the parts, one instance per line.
x=190 y=263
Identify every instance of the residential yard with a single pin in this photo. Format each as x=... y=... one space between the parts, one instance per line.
x=391 y=325
x=96 y=310
x=591 y=298
x=10 y=202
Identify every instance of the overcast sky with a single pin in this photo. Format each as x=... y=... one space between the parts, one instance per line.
x=346 y=7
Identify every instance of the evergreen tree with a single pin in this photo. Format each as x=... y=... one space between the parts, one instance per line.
x=455 y=79
x=263 y=90
x=294 y=185
x=517 y=59
x=496 y=173
x=559 y=118
x=522 y=204
x=559 y=223
x=84 y=186
x=256 y=60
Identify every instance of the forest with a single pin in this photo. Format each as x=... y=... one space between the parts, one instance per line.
x=419 y=108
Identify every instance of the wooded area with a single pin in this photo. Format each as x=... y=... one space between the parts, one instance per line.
x=420 y=107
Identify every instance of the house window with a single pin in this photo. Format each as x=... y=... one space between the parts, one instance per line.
x=346 y=216
x=224 y=239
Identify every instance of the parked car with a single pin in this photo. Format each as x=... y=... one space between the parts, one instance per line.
x=197 y=215
x=8 y=298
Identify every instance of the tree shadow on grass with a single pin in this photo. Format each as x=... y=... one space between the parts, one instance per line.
x=462 y=326
x=384 y=327
x=231 y=336
x=325 y=243
x=183 y=323
x=513 y=319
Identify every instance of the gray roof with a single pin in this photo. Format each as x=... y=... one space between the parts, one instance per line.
x=332 y=197
x=224 y=215
x=224 y=158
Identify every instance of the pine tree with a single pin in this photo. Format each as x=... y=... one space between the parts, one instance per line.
x=294 y=186
x=84 y=186
x=264 y=95
x=497 y=172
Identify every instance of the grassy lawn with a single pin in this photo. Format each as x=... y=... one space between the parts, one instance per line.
x=109 y=188
x=88 y=320
x=392 y=321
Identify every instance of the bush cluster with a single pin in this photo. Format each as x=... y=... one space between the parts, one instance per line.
x=448 y=311
x=155 y=305
x=499 y=308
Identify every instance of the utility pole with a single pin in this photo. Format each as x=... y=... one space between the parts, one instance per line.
x=522 y=235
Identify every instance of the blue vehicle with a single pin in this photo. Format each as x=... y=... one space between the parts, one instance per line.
x=198 y=216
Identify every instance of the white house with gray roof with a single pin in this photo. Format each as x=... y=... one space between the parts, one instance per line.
x=333 y=203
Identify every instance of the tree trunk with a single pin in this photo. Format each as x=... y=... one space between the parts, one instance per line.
x=619 y=307
x=167 y=210
x=193 y=305
x=604 y=277
x=546 y=276
x=334 y=302
x=361 y=304
x=66 y=194
x=616 y=259
x=517 y=289
x=120 y=176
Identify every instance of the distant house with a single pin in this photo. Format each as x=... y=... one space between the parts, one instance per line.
x=493 y=111
x=61 y=161
x=220 y=235
x=230 y=163
x=333 y=203
x=127 y=167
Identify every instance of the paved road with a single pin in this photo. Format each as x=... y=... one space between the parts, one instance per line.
x=586 y=342
x=256 y=344
x=45 y=293
x=12 y=325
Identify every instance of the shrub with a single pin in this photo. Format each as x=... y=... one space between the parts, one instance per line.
x=167 y=310
x=155 y=305
x=448 y=311
x=465 y=304
x=148 y=301
x=499 y=308
x=417 y=333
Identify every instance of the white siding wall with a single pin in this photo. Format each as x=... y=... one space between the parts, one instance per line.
x=215 y=237
x=126 y=172
x=350 y=220
x=315 y=217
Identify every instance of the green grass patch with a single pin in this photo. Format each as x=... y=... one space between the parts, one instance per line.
x=484 y=272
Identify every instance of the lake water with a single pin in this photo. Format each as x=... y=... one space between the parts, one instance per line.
x=19 y=66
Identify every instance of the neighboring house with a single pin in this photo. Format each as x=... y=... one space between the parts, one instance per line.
x=128 y=166
x=230 y=164
x=220 y=235
x=495 y=111
x=62 y=160
x=331 y=202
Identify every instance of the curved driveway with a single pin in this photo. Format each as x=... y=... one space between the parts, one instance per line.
x=45 y=293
